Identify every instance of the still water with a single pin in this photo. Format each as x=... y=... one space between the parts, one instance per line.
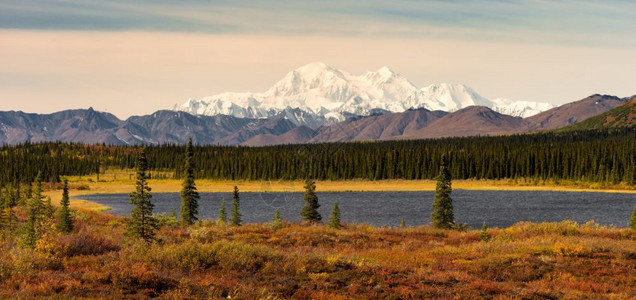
x=496 y=208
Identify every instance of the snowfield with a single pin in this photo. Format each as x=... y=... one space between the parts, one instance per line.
x=317 y=93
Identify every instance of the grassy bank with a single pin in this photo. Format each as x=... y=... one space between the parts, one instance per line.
x=210 y=260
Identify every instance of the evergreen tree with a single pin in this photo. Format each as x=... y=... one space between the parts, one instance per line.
x=334 y=218
x=34 y=215
x=442 y=216
x=11 y=219
x=402 y=223
x=142 y=223
x=236 y=215
x=277 y=223
x=484 y=233
x=29 y=190
x=310 y=211
x=18 y=196
x=65 y=219
x=222 y=214
x=189 y=194
x=37 y=198
x=10 y=196
x=48 y=208
x=4 y=216
x=277 y=219
x=632 y=221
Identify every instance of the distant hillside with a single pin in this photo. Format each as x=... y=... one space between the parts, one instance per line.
x=470 y=121
x=622 y=116
x=574 y=112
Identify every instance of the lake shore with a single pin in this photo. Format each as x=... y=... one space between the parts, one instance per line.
x=110 y=184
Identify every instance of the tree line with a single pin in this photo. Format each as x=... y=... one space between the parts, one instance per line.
x=143 y=224
x=606 y=156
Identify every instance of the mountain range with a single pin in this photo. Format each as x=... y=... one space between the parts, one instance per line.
x=166 y=126
x=422 y=123
x=317 y=94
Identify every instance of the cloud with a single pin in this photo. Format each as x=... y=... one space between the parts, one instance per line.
x=548 y=22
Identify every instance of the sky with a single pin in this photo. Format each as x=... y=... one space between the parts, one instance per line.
x=136 y=57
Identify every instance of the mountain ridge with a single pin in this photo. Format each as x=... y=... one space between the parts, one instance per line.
x=174 y=127
x=469 y=121
x=330 y=94
x=621 y=116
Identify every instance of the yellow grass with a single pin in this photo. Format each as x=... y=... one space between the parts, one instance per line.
x=122 y=181
x=80 y=204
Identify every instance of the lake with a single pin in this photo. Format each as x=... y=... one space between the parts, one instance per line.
x=496 y=208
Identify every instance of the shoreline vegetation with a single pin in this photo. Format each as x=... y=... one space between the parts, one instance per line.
x=117 y=182
x=286 y=260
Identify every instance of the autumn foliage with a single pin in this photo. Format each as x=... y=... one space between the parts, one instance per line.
x=308 y=260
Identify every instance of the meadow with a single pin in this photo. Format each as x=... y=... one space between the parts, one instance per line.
x=294 y=260
x=282 y=260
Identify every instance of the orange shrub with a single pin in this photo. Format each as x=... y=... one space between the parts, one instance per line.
x=570 y=249
x=86 y=242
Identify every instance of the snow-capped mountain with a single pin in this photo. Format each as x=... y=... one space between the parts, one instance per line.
x=174 y=127
x=316 y=93
x=520 y=108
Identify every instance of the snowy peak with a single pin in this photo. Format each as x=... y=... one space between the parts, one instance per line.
x=452 y=97
x=317 y=70
x=520 y=108
x=307 y=78
x=383 y=75
x=327 y=94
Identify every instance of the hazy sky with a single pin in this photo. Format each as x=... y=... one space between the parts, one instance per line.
x=131 y=59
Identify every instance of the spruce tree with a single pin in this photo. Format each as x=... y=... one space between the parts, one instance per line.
x=34 y=215
x=222 y=214
x=29 y=190
x=37 y=198
x=18 y=196
x=442 y=216
x=632 y=221
x=236 y=215
x=142 y=223
x=10 y=196
x=484 y=233
x=48 y=208
x=189 y=195
x=65 y=219
x=310 y=212
x=402 y=223
x=4 y=217
x=173 y=213
x=277 y=222
x=334 y=218
x=9 y=203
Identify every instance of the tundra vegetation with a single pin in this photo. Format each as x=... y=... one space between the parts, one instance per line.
x=145 y=255
x=312 y=260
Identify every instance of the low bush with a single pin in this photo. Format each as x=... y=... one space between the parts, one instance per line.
x=189 y=256
x=87 y=242
x=571 y=250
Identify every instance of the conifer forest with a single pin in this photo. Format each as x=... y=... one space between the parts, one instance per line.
x=592 y=156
